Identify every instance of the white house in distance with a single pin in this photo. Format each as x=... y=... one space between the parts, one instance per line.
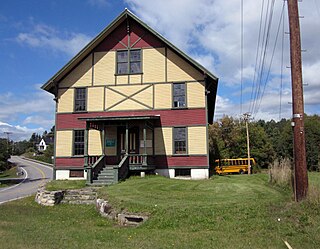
x=44 y=143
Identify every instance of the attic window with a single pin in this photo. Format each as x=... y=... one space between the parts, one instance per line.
x=126 y=66
x=179 y=95
x=80 y=99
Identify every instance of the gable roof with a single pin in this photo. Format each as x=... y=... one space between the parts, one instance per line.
x=100 y=37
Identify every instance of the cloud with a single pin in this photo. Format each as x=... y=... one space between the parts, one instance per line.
x=12 y=104
x=38 y=120
x=37 y=108
x=209 y=31
x=46 y=37
x=17 y=132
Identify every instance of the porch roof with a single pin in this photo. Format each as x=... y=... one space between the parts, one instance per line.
x=122 y=118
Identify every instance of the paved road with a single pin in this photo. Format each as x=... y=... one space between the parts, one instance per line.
x=35 y=175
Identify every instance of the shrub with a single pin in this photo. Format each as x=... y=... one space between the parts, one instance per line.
x=280 y=173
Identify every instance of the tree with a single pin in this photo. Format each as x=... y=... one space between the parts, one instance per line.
x=4 y=155
x=261 y=146
x=312 y=129
x=227 y=139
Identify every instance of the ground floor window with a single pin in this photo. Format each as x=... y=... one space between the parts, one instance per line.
x=180 y=140
x=76 y=173
x=182 y=172
x=78 y=146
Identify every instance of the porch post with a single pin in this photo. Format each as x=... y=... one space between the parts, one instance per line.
x=144 y=162
x=153 y=143
x=127 y=138
x=86 y=156
x=103 y=134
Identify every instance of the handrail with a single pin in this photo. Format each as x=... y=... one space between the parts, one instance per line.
x=98 y=161
x=92 y=169
x=123 y=161
x=122 y=170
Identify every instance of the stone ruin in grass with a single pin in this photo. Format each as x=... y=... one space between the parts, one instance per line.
x=88 y=196
x=123 y=218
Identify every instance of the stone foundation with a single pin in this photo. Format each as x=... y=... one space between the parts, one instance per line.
x=123 y=218
x=77 y=196
x=49 y=198
x=88 y=196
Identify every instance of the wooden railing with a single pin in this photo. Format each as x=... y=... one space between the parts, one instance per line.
x=93 y=159
x=94 y=165
x=121 y=171
x=137 y=159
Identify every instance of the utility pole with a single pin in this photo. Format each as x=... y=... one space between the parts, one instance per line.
x=246 y=119
x=299 y=147
x=8 y=138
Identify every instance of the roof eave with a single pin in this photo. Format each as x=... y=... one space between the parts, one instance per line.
x=83 y=52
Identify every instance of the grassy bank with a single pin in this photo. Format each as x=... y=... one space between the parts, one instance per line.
x=225 y=212
x=43 y=158
x=65 y=184
x=10 y=173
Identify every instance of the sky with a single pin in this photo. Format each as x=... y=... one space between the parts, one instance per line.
x=37 y=38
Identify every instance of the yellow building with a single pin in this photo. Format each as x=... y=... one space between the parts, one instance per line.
x=130 y=101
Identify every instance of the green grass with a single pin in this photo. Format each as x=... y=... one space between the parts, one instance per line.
x=314 y=178
x=225 y=212
x=42 y=158
x=65 y=184
x=10 y=173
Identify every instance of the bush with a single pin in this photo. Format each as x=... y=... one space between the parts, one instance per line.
x=280 y=173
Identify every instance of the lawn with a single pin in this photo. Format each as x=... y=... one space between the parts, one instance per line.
x=236 y=211
x=10 y=173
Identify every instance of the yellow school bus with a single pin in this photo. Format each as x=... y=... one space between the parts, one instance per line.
x=237 y=165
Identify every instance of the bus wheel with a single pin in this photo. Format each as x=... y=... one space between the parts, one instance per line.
x=241 y=172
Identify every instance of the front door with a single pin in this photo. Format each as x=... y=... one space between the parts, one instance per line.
x=133 y=141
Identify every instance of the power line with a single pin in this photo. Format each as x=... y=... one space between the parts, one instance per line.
x=272 y=56
x=260 y=64
x=241 y=56
x=281 y=70
x=257 y=52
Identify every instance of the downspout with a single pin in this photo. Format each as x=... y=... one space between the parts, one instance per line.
x=55 y=92
x=207 y=123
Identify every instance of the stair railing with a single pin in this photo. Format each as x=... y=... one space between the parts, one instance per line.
x=121 y=171
x=95 y=168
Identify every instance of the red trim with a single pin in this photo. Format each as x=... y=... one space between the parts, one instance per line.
x=163 y=161
x=186 y=117
x=69 y=162
x=147 y=40
x=111 y=42
x=160 y=162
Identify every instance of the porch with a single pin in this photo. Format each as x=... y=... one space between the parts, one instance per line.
x=125 y=145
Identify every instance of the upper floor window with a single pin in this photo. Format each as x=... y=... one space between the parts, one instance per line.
x=80 y=99
x=129 y=61
x=179 y=95
x=78 y=146
x=180 y=140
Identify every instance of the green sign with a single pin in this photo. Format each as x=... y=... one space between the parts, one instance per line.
x=110 y=142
